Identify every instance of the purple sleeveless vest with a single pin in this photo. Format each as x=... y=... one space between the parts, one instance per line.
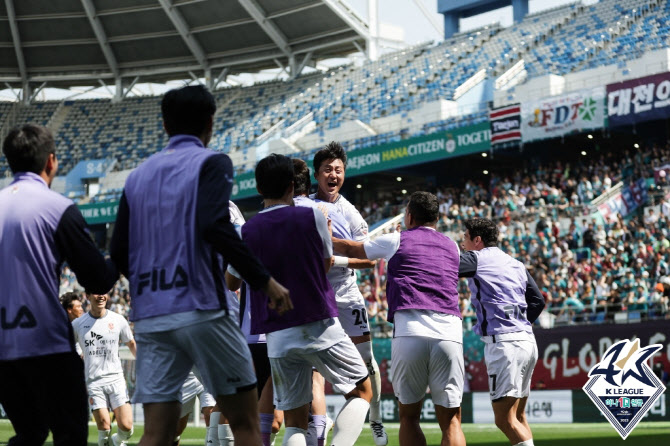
x=287 y=242
x=498 y=293
x=172 y=270
x=32 y=320
x=423 y=273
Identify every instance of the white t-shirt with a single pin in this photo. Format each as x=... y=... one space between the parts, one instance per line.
x=424 y=323
x=98 y=341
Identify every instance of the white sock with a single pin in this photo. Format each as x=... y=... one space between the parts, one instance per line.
x=213 y=429
x=124 y=435
x=294 y=436
x=349 y=422
x=526 y=443
x=365 y=349
x=103 y=437
x=226 y=435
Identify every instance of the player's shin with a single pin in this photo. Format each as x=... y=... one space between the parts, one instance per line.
x=213 y=429
x=294 y=436
x=103 y=438
x=365 y=349
x=349 y=422
x=226 y=435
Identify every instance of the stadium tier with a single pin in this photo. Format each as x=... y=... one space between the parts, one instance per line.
x=558 y=41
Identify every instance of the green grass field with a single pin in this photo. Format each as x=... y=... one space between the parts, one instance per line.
x=596 y=434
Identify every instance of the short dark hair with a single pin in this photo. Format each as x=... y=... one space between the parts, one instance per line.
x=424 y=207
x=67 y=299
x=187 y=110
x=333 y=150
x=301 y=179
x=484 y=228
x=28 y=147
x=274 y=175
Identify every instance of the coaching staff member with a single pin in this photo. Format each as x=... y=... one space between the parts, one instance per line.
x=39 y=229
x=173 y=223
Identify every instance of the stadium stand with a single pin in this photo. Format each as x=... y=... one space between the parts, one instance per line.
x=557 y=41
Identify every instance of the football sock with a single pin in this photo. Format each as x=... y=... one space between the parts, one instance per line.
x=365 y=349
x=266 y=428
x=294 y=436
x=213 y=429
x=319 y=428
x=103 y=437
x=349 y=422
x=226 y=435
x=526 y=443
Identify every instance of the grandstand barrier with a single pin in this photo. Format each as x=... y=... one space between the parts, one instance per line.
x=544 y=406
x=566 y=354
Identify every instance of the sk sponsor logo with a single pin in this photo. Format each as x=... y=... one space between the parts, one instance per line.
x=623 y=386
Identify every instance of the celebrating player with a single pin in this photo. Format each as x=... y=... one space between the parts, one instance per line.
x=98 y=334
x=310 y=335
x=507 y=301
x=39 y=229
x=173 y=219
x=330 y=164
x=422 y=293
x=72 y=304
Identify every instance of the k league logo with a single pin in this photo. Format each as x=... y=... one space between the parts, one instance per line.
x=622 y=386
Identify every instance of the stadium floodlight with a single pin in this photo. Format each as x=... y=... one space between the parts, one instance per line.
x=484 y=155
x=404 y=191
x=636 y=145
x=486 y=172
x=584 y=152
x=589 y=136
x=399 y=178
x=359 y=186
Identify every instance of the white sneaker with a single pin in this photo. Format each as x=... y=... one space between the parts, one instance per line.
x=379 y=433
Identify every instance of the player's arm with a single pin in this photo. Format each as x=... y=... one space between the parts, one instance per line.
x=350 y=248
x=323 y=227
x=118 y=248
x=467 y=266
x=213 y=218
x=72 y=237
x=132 y=346
x=534 y=299
x=346 y=262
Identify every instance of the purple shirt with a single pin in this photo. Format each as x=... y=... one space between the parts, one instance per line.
x=423 y=273
x=290 y=242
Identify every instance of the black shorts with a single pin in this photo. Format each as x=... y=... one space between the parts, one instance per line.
x=46 y=393
x=259 y=355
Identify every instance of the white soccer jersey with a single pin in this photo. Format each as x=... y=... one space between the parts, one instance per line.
x=99 y=342
x=343 y=280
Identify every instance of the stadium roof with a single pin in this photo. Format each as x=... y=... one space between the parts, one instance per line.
x=89 y=42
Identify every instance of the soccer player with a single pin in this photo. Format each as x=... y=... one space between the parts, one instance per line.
x=193 y=387
x=330 y=164
x=422 y=293
x=310 y=335
x=98 y=334
x=507 y=301
x=39 y=229
x=72 y=304
x=173 y=220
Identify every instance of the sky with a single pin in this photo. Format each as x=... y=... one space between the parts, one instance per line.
x=403 y=15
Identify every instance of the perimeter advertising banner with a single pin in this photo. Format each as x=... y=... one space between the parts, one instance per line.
x=98 y=213
x=505 y=124
x=630 y=198
x=560 y=115
x=638 y=100
x=456 y=142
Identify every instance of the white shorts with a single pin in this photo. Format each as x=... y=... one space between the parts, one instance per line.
x=165 y=358
x=206 y=400
x=108 y=396
x=421 y=362
x=510 y=365
x=353 y=317
x=341 y=365
x=192 y=388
